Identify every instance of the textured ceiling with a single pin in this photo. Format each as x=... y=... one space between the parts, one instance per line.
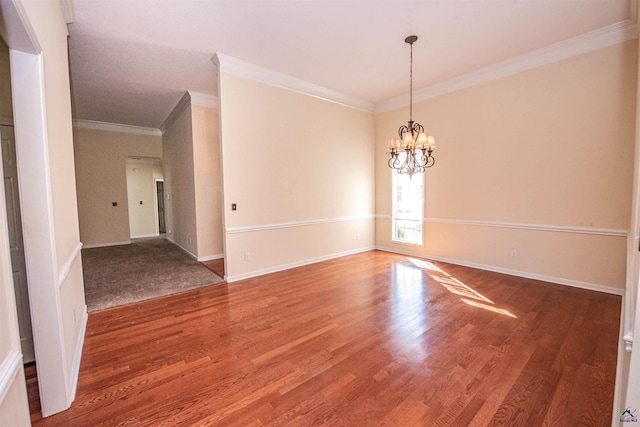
x=131 y=60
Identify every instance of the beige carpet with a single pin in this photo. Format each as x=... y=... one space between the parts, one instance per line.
x=145 y=269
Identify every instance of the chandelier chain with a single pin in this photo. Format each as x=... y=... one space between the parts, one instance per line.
x=411 y=85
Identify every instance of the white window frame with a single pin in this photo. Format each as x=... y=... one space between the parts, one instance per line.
x=407 y=228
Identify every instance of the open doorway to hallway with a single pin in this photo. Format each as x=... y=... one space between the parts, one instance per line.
x=12 y=204
x=145 y=194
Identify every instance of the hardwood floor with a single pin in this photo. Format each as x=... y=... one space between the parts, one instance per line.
x=365 y=340
x=215 y=265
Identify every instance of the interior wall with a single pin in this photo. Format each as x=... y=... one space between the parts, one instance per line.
x=628 y=369
x=44 y=148
x=13 y=395
x=180 y=204
x=302 y=181
x=157 y=171
x=101 y=180
x=141 y=197
x=540 y=162
x=207 y=181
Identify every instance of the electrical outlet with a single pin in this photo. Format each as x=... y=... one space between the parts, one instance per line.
x=514 y=252
x=247 y=256
x=357 y=236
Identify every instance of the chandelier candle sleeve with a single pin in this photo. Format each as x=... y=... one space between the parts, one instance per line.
x=416 y=144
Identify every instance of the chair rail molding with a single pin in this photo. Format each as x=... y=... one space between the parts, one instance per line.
x=524 y=226
x=9 y=368
x=249 y=229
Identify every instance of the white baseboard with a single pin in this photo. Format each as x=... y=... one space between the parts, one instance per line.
x=288 y=266
x=75 y=369
x=210 y=257
x=104 y=245
x=144 y=236
x=518 y=273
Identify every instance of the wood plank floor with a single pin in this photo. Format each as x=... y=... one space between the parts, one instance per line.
x=215 y=265
x=365 y=340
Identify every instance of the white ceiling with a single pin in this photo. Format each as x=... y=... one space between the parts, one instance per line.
x=132 y=60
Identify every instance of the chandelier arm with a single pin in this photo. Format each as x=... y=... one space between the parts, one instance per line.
x=394 y=161
x=432 y=161
x=402 y=130
x=397 y=164
x=427 y=161
x=418 y=128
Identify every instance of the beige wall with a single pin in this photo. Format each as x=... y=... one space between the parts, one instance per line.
x=300 y=170
x=180 y=208
x=628 y=371
x=540 y=161
x=100 y=163
x=207 y=181
x=14 y=409
x=192 y=179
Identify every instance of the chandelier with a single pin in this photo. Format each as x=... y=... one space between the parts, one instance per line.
x=414 y=142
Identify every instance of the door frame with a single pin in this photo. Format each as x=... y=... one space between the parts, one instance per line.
x=155 y=199
x=57 y=371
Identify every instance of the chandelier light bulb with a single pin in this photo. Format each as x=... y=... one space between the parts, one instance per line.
x=407 y=140
x=394 y=144
x=422 y=140
x=431 y=141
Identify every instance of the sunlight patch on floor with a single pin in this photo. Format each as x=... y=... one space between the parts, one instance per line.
x=489 y=307
x=455 y=286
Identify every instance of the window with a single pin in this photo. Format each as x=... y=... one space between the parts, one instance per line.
x=408 y=204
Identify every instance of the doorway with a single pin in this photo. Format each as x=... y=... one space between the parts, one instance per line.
x=143 y=175
x=162 y=228
x=16 y=245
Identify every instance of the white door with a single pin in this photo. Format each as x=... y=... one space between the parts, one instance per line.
x=14 y=223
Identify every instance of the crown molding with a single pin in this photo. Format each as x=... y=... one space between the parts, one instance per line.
x=204 y=100
x=236 y=67
x=189 y=98
x=588 y=42
x=68 y=13
x=115 y=127
x=17 y=30
x=180 y=106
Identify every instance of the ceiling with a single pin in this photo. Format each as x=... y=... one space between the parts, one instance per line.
x=132 y=60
